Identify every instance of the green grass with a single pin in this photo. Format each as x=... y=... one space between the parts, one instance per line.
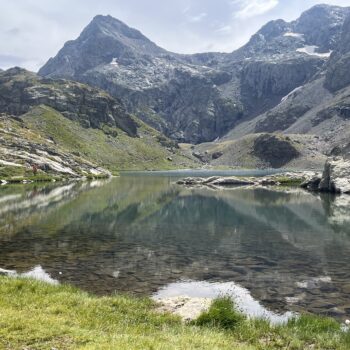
x=9 y=171
x=34 y=315
x=221 y=315
x=98 y=177
x=287 y=181
x=15 y=175
x=304 y=332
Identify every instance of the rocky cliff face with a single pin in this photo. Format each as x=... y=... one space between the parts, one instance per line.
x=77 y=127
x=20 y=90
x=264 y=83
x=197 y=98
x=338 y=75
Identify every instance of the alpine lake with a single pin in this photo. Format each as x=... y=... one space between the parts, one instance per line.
x=276 y=250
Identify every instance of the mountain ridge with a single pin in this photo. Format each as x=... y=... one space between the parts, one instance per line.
x=198 y=98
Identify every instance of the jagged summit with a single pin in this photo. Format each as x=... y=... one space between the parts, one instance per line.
x=108 y=26
x=104 y=39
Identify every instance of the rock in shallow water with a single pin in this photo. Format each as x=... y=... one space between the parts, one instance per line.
x=228 y=181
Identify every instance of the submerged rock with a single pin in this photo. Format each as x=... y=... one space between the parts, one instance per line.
x=215 y=181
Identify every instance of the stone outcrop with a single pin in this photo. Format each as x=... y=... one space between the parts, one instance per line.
x=334 y=179
x=215 y=181
x=20 y=90
x=187 y=308
x=20 y=148
x=336 y=176
x=293 y=178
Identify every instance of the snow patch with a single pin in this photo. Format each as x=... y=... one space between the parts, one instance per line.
x=294 y=35
x=285 y=98
x=114 y=62
x=311 y=50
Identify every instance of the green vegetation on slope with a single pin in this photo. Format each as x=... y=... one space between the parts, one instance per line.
x=14 y=174
x=111 y=147
x=35 y=315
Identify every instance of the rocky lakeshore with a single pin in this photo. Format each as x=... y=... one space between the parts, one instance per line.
x=335 y=178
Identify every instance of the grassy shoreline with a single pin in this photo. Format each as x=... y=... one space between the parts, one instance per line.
x=35 y=315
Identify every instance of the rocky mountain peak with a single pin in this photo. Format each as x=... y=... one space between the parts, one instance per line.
x=321 y=25
x=104 y=39
x=108 y=26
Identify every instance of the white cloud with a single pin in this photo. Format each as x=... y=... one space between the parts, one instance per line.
x=252 y=8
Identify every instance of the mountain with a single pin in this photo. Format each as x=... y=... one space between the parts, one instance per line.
x=316 y=114
x=197 y=98
x=72 y=129
x=168 y=93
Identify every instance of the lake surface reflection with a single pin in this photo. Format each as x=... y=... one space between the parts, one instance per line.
x=141 y=234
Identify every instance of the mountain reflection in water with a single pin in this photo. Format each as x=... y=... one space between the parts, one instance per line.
x=138 y=234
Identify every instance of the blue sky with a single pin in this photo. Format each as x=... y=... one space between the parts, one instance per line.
x=31 y=31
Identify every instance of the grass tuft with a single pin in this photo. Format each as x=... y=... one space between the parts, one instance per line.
x=221 y=314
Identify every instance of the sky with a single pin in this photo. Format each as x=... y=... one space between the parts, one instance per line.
x=32 y=31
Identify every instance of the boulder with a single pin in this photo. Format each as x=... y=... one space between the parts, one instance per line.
x=312 y=184
x=336 y=176
x=267 y=182
x=217 y=155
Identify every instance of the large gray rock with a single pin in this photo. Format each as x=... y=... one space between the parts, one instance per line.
x=336 y=176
